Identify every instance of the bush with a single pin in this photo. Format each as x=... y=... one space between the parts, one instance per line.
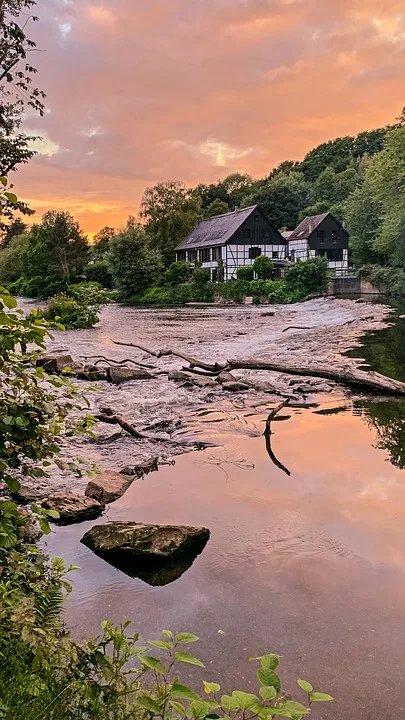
x=201 y=275
x=44 y=674
x=263 y=266
x=70 y=312
x=99 y=272
x=39 y=287
x=282 y=293
x=245 y=273
x=310 y=276
x=178 y=272
x=389 y=280
x=91 y=293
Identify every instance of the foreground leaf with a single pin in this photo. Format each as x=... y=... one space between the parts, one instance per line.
x=187 y=658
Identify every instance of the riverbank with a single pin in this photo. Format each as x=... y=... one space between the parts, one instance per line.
x=319 y=330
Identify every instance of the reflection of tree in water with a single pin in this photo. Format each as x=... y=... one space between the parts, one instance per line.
x=384 y=350
x=388 y=418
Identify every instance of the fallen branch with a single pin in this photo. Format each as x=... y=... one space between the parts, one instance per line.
x=352 y=377
x=272 y=415
x=100 y=358
x=273 y=458
x=297 y=327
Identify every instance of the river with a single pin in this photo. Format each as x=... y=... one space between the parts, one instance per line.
x=311 y=564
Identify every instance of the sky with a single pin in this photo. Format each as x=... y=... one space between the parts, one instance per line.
x=145 y=91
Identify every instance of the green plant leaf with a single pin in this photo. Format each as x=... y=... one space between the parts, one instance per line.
x=181 y=691
x=199 y=709
x=178 y=707
x=151 y=662
x=211 y=687
x=229 y=703
x=186 y=638
x=266 y=676
x=162 y=644
x=149 y=704
x=290 y=709
x=269 y=661
x=246 y=701
x=12 y=197
x=168 y=633
x=320 y=697
x=306 y=686
x=267 y=692
x=187 y=658
x=44 y=525
x=9 y=301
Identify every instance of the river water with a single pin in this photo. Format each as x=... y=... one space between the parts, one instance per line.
x=310 y=564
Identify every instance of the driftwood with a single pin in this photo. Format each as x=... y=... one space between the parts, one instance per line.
x=273 y=458
x=100 y=358
x=297 y=327
x=272 y=415
x=344 y=374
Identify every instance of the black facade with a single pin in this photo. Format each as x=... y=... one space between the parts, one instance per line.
x=257 y=230
x=329 y=235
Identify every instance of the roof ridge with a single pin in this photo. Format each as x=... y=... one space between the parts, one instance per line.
x=230 y=212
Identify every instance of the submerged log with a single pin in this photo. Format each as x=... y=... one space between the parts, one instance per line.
x=346 y=375
x=272 y=414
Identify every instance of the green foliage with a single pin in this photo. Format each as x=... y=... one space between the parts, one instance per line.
x=11 y=254
x=57 y=248
x=44 y=674
x=245 y=272
x=178 y=272
x=34 y=407
x=99 y=272
x=217 y=207
x=71 y=312
x=282 y=196
x=263 y=266
x=169 y=212
x=201 y=275
x=308 y=277
x=101 y=242
x=135 y=265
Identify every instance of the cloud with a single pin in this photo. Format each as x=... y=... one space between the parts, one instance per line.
x=143 y=92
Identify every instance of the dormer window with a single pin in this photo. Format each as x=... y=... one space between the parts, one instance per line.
x=321 y=236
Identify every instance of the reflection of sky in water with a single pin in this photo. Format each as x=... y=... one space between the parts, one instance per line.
x=310 y=566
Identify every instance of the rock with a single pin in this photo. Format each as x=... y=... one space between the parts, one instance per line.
x=119 y=375
x=55 y=363
x=267 y=314
x=235 y=386
x=108 y=486
x=202 y=382
x=27 y=495
x=178 y=375
x=30 y=531
x=92 y=375
x=136 y=543
x=224 y=377
x=140 y=470
x=73 y=508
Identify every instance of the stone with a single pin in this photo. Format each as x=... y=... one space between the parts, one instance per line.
x=141 y=469
x=119 y=375
x=108 y=486
x=72 y=508
x=235 y=386
x=30 y=531
x=225 y=376
x=137 y=543
x=270 y=313
x=92 y=375
x=55 y=363
x=178 y=375
x=26 y=495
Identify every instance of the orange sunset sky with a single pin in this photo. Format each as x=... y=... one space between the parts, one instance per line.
x=142 y=91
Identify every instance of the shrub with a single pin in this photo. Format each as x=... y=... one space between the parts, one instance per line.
x=39 y=287
x=245 y=273
x=44 y=674
x=309 y=276
x=71 y=312
x=201 y=275
x=390 y=280
x=263 y=266
x=91 y=293
x=99 y=272
x=178 y=272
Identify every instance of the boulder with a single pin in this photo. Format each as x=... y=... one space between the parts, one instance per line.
x=92 y=375
x=26 y=495
x=119 y=375
x=55 y=363
x=270 y=313
x=235 y=386
x=108 y=486
x=141 y=469
x=225 y=376
x=178 y=375
x=137 y=543
x=73 y=508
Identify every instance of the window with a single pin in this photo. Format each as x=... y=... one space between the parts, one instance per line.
x=320 y=253
x=214 y=275
x=275 y=254
x=292 y=255
x=321 y=236
x=335 y=255
x=205 y=255
x=266 y=232
x=192 y=255
x=246 y=233
x=181 y=255
x=216 y=253
x=334 y=236
x=256 y=218
x=254 y=252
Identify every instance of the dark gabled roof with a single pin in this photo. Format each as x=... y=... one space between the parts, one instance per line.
x=216 y=230
x=307 y=227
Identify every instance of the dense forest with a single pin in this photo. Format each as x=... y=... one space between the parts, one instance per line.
x=360 y=179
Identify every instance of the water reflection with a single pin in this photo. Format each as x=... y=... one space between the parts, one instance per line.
x=388 y=418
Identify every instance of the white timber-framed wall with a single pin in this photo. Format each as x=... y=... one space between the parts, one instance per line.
x=233 y=257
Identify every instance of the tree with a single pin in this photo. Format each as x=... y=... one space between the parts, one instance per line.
x=57 y=247
x=134 y=263
x=170 y=212
x=263 y=266
x=332 y=187
x=178 y=272
x=361 y=213
x=282 y=197
x=17 y=91
x=335 y=153
x=14 y=228
x=101 y=241
x=236 y=186
x=217 y=207
x=12 y=258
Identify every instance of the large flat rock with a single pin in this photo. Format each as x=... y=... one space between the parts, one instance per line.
x=118 y=375
x=73 y=508
x=142 y=543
